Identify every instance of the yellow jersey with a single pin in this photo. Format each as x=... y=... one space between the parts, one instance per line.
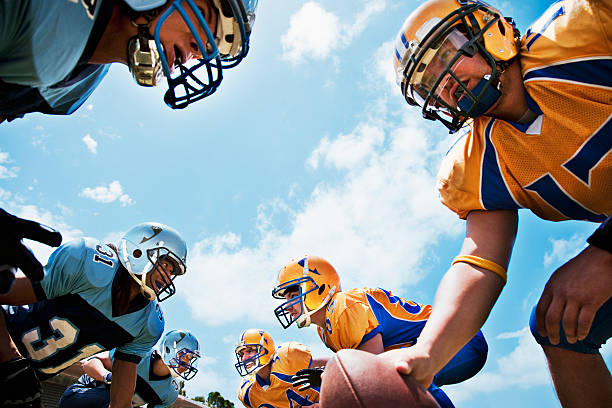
x=560 y=165
x=288 y=359
x=357 y=315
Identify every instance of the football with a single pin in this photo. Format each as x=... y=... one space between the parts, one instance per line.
x=357 y=379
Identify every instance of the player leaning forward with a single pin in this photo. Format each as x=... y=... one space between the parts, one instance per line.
x=368 y=319
x=539 y=137
x=93 y=297
x=268 y=371
x=156 y=384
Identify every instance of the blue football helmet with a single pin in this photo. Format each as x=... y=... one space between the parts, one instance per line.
x=148 y=244
x=180 y=351
x=223 y=49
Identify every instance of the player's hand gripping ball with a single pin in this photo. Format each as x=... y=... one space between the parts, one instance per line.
x=358 y=379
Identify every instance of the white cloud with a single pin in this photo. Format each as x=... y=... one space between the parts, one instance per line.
x=348 y=151
x=90 y=143
x=7 y=172
x=316 y=33
x=375 y=225
x=564 y=249
x=524 y=367
x=109 y=194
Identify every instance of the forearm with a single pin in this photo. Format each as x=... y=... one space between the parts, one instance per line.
x=21 y=293
x=463 y=301
x=95 y=369
x=123 y=385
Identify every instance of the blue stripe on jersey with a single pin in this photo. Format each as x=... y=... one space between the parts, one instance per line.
x=543 y=28
x=493 y=191
x=591 y=71
x=547 y=188
x=247 y=400
x=591 y=153
x=283 y=377
x=393 y=330
x=370 y=335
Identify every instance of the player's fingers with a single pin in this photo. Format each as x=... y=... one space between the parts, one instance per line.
x=570 y=322
x=552 y=320
x=403 y=367
x=540 y=312
x=585 y=321
x=41 y=233
x=24 y=259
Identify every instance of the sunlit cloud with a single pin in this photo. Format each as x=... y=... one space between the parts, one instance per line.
x=7 y=172
x=90 y=143
x=375 y=225
x=302 y=42
x=103 y=194
x=524 y=367
x=564 y=249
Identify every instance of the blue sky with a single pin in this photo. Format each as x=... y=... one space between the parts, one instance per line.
x=307 y=147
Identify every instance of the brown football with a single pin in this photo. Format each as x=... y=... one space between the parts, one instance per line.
x=357 y=379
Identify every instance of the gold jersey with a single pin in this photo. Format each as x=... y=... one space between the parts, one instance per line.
x=357 y=315
x=288 y=359
x=560 y=165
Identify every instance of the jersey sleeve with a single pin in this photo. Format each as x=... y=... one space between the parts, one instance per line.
x=353 y=324
x=293 y=357
x=151 y=332
x=64 y=273
x=169 y=397
x=244 y=389
x=459 y=176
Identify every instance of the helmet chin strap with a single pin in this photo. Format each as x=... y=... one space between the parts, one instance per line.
x=145 y=291
x=490 y=96
x=143 y=57
x=305 y=320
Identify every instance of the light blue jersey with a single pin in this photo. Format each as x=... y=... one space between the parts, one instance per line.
x=75 y=318
x=155 y=391
x=44 y=49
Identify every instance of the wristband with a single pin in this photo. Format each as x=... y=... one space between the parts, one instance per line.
x=602 y=237
x=108 y=377
x=483 y=263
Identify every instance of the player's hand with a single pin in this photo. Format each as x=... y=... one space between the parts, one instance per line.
x=14 y=253
x=412 y=361
x=573 y=294
x=307 y=378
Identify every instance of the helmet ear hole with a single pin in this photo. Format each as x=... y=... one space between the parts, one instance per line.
x=321 y=288
x=137 y=253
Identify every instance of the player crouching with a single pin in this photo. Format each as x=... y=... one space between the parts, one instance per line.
x=268 y=371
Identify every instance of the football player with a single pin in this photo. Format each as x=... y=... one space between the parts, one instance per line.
x=538 y=111
x=366 y=319
x=268 y=371
x=93 y=297
x=55 y=53
x=156 y=383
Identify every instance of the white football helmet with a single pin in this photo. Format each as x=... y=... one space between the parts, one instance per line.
x=146 y=244
x=180 y=351
x=223 y=49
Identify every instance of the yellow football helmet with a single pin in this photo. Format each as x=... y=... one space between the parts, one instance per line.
x=431 y=42
x=316 y=282
x=263 y=344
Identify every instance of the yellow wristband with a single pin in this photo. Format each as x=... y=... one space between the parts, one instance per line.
x=483 y=263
